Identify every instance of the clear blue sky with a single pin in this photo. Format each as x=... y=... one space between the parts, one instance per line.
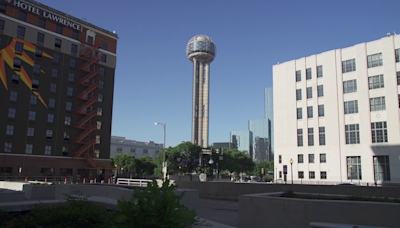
x=153 y=80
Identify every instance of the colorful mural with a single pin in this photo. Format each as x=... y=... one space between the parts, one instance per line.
x=8 y=54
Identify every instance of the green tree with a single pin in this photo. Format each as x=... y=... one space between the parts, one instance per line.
x=236 y=161
x=267 y=166
x=144 y=166
x=125 y=161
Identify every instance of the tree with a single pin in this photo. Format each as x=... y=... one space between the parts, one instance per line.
x=236 y=161
x=144 y=166
x=267 y=166
x=125 y=161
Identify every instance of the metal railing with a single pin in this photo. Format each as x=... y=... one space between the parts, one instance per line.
x=134 y=182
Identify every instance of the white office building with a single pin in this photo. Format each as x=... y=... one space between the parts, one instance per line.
x=337 y=115
x=121 y=145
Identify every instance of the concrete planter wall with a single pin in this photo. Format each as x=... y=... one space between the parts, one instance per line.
x=268 y=210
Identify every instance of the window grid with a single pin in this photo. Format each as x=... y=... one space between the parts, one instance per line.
x=10 y=130
x=100 y=97
x=57 y=43
x=19 y=47
x=33 y=99
x=40 y=37
x=42 y=23
x=311 y=174
x=299 y=113
x=47 y=150
x=102 y=71
x=75 y=35
x=377 y=104
x=53 y=88
x=321 y=110
x=280 y=159
x=298 y=76
x=50 y=118
x=310 y=112
x=381 y=168
x=299 y=137
x=319 y=72
x=36 y=68
x=71 y=77
x=301 y=174
x=49 y=134
x=8 y=147
x=101 y=84
x=311 y=158
x=56 y=58
x=21 y=31
x=397 y=53
x=350 y=107
x=103 y=58
x=323 y=175
x=22 y=16
x=376 y=82
x=52 y=103
x=300 y=158
x=12 y=112
x=308 y=73
x=68 y=106
x=350 y=86
x=70 y=91
x=320 y=91
x=354 y=168
x=54 y=73
x=74 y=48
x=59 y=29
x=67 y=120
x=15 y=79
x=72 y=63
x=298 y=94
x=348 y=65
x=309 y=92
x=322 y=158
x=13 y=96
x=28 y=148
x=30 y=132
x=352 y=134
x=32 y=115
x=311 y=137
x=375 y=60
x=321 y=136
x=379 y=132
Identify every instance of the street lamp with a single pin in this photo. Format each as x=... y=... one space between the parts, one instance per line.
x=164 y=166
x=291 y=168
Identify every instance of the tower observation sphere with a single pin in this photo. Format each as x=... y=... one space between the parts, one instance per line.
x=200 y=50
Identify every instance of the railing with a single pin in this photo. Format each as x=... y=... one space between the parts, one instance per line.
x=134 y=182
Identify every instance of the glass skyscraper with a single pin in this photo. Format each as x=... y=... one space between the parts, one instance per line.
x=243 y=141
x=269 y=114
x=261 y=131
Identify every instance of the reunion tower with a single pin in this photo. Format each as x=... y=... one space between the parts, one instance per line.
x=201 y=51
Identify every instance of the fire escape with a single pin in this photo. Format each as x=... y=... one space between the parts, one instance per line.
x=86 y=99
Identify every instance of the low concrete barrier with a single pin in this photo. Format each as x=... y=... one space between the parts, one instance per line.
x=16 y=186
x=255 y=209
x=233 y=190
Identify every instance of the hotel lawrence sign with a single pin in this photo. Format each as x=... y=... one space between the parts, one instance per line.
x=45 y=14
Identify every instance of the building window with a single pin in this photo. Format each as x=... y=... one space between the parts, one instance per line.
x=59 y=29
x=52 y=103
x=103 y=58
x=397 y=53
x=72 y=63
x=8 y=147
x=377 y=103
x=321 y=136
x=50 y=118
x=68 y=106
x=348 y=65
x=350 y=107
x=19 y=47
x=309 y=92
x=30 y=132
x=2 y=8
x=98 y=139
x=40 y=37
x=22 y=16
x=57 y=43
x=74 y=48
x=33 y=99
x=381 y=168
x=17 y=63
x=298 y=76
x=319 y=72
x=56 y=58
x=39 y=52
x=119 y=148
x=354 y=168
x=311 y=158
x=89 y=40
x=12 y=112
x=311 y=137
x=67 y=120
x=280 y=174
x=99 y=111
x=350 y=86
x=322 y=158
x=299 y=137
x=13 y=96
x=54 y=73
x=323 y=175
x=145 y=151
x=100 y=97
x=280 y=159
x=65 y=151
x=299 y=113
x=49 y=134
x=320 y=91
x=42 y=23
x=71 y=77
x=298 y=94
x=98 y=125
x=28 y=148
x=101 y=84
x=21 y=31
x=102 y=71
x=75 y=35
x=1 y=25
x=104 y=45
x=321 y=111
x=379 y=132
x=70 y=91
x=310 y=112
x=35 y=83
x=376 y=82
x=47 y=150
x=32 y=115
x=352 y=134
x=301 y=174
x=308 y=73
x=36 y=68
x=10 y=130
x=133 y=150
x=53 y=88
x=374 y=60
x=15 y=79
x=66 y=135
x=311 y=174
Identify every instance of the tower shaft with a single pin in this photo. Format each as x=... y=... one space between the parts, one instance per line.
x=201 y=86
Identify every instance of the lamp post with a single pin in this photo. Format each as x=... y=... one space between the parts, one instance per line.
x=164 y=166
x=291 y=168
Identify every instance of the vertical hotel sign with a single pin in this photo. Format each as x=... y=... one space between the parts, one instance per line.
x=45 y=14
